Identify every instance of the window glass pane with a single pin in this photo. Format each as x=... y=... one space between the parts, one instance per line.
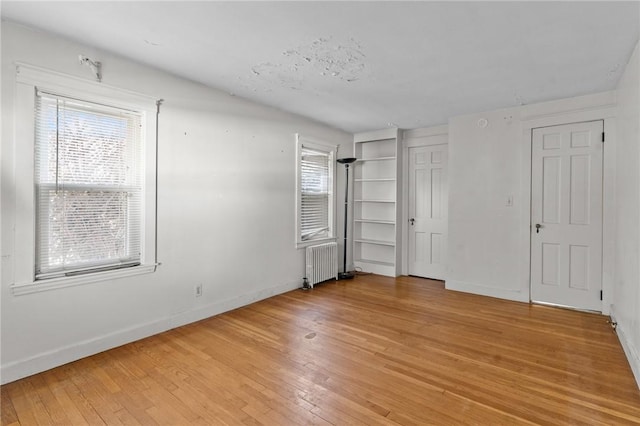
x=88 y=186
x=315 y=183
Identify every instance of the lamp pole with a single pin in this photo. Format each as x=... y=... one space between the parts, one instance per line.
x=344 y=275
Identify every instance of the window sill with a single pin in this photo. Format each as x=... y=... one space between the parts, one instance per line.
x=62 y=282
x=304 y=244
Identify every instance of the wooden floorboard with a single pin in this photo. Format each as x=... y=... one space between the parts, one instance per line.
x=371 y=351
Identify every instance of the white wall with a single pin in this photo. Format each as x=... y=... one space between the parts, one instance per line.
x=626 y=298
x=225 y=217
x=489 y=242
x=484 y=249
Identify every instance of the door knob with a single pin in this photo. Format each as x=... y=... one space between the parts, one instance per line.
x=411 y=221
x=538 y=226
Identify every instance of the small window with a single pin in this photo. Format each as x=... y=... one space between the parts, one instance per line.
x=315 y=195
x=88 y=187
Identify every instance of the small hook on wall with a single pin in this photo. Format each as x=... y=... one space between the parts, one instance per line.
x=95 y=66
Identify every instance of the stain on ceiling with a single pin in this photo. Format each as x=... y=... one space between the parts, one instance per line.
x=362 y=66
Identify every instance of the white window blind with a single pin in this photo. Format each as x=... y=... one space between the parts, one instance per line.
x=316 y=190
x=88 y=177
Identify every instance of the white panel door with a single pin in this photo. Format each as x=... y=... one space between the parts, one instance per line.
x=566 y=215
x=428 y=211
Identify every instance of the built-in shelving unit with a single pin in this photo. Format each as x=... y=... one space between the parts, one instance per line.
x=376 y=208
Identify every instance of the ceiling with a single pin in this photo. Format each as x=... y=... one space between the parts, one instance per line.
x=363 y=65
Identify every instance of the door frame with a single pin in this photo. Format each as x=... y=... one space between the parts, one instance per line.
x=426 y=136
x=411 y=229
x=531 y=219
x=535 y=118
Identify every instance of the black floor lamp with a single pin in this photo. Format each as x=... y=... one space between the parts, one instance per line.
x=344 y=275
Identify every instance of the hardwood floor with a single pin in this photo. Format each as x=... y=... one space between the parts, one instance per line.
x=370 y=351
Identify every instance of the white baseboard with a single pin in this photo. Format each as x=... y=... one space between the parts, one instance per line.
x=500 y=293
x=629 y=350
x=55 y=358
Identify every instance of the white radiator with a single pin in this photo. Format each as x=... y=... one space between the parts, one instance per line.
x=322 y=263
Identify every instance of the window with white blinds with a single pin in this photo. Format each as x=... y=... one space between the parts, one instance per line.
x=89 y=184
x=316 y=181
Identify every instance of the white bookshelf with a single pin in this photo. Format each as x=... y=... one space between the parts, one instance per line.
x=376 y=206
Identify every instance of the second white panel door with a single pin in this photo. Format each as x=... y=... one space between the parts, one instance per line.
x=428 y=199
x=566 y=215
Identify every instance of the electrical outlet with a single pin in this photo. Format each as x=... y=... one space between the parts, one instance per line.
x=199 y=290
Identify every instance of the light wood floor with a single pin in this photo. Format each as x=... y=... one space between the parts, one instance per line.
x=369 y=351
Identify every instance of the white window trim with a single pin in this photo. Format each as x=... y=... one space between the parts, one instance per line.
x=333 y=150
x=28 y=79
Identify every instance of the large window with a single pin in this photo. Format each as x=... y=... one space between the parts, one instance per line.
x=85 y=179
x=88 y=176
x=315 y=195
